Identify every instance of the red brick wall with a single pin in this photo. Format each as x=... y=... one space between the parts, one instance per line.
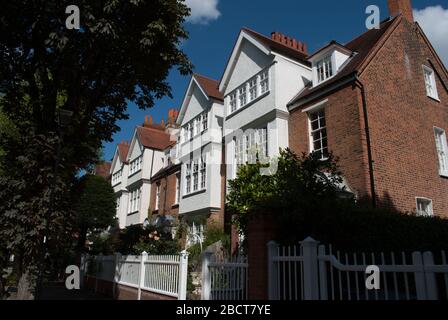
x=401 y=120
x=167 y=195
x=345 y=132
x=260 y=231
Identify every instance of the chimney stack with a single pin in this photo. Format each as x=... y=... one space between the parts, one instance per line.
x=289 y=42
x=403 y=7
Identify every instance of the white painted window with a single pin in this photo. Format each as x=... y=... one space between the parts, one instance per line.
x=253 y=89
x=442 y=150
x=430 y=83
x=232 y=102
x=324 y=69
x=424 y=207
x=203 y=172
x=319 y=143
x=188 y=178
x=197 y=122
x=177 y=189
x=190 y=131
x=205 y=121
x=263 y=141
x=239 y=152
x=118 y=203
x=264 y=82
x=242 y=95
x=195 y=175
x=134 y=200
x=136 y=165
x=158 y=197
x=116 y=177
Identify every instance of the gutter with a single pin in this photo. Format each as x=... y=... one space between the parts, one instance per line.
x=369 y=145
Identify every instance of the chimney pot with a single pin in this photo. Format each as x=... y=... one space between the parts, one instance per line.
x=288 y=41
x=150 y=120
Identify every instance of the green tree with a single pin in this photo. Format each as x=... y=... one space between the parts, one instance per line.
x=94 y=207
x=122 y=54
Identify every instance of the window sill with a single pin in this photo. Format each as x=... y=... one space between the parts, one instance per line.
x=433 y=98
x=248 y=105
x=191 y=140
x=175 y=206
x=194 y=193
x=443 y=175
x=133 y=174
x=132 y=213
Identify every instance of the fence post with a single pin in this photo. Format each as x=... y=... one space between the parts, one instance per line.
x=141 y=271
x=183 y=274
x=273 y=293
x=117 y=275
x=419 y=276
x=430 y=277
x=310 y=269
x=322 y=274
x=206 y=276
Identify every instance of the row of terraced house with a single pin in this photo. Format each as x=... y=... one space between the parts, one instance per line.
x=378 y=102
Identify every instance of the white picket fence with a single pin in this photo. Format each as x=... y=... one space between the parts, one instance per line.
x=313 y=272
x=225 y=279
x=166 y=274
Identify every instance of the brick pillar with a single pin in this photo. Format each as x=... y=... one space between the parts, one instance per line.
x=261 y=230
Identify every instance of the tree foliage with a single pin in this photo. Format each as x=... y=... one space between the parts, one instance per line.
x=95 y=206
x=122 y=54
x=305 y=196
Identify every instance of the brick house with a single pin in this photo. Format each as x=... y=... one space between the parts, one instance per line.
x=380 y=103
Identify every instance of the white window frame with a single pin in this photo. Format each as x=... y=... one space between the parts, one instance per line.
x=177 y=197
x=253 y=88
x=319 y=129
x=233 y=102
x=325 y=69
x=264 y=81
x=188 y=178
x=157 y=206
x=242 y=95
x=203 y=172
x=204 y=120
x=430 y=83
x=442 y=150
x=195 y=175
x=428 y=203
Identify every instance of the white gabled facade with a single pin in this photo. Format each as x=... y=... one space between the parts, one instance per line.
x=200 y=148
x=257 y=85
x=119 y=173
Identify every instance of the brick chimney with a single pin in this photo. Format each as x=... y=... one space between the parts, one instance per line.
x=403 y=7
x=290 y=42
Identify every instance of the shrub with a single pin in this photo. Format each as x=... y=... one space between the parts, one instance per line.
x=305 y=197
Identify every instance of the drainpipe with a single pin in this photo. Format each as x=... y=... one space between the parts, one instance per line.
x=369 y=146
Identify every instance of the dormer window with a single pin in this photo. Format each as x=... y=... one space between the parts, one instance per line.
x=324 y=69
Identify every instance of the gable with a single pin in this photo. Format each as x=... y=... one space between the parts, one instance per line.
x=136 y=149
x=249 y=61
x=116 y=162
x=197 y=103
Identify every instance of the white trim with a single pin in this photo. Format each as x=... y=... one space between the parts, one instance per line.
x=316 y=106
x=444 y=146
x=433 y=82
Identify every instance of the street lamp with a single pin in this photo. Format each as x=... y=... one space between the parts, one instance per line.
x=64 y=119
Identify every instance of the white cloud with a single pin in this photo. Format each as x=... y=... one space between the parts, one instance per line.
x=434 y=21
x=203 y=11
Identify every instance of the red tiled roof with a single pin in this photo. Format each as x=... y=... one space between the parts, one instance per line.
x=102 y=169
x=362 y=46
x=210 y=87
x=279 y=47
x=123 y=149
x=154 y=138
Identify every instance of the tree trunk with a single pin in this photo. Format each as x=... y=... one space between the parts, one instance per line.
x=25 y=287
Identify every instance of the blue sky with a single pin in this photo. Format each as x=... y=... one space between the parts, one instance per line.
x=215 y=24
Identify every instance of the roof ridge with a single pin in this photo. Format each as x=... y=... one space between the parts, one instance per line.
x=206 y=77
